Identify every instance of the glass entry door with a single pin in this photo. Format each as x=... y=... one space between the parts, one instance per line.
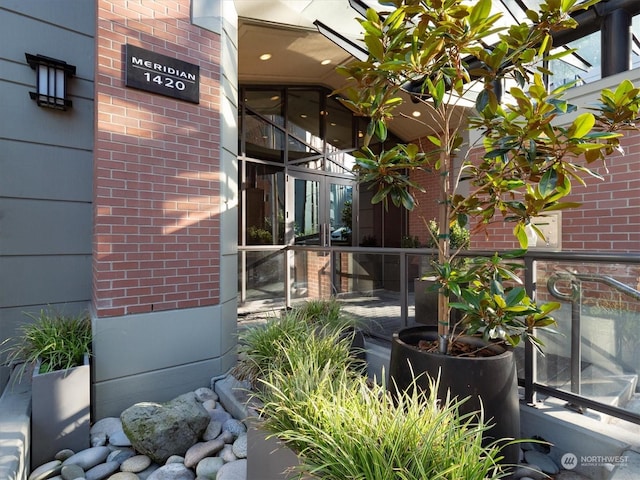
x=322 y=209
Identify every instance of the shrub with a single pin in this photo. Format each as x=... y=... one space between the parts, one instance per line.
x=58 y=341
x=263 y=346
x=344 y=426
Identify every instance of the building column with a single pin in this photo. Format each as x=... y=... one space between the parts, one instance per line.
x=616 y=42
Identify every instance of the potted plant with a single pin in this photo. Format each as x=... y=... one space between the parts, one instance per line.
x=332 y=422
x=442 y=54
x=56 y=347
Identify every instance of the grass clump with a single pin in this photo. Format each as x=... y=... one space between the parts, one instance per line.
x=342 y=425
x=58 y=341
x=261 y=347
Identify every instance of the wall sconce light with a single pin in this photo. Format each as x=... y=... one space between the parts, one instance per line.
x=52 y=77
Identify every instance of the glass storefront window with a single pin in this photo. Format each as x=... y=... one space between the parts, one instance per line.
x=303 y=115
x=339 y=126
x=267 y=103
x=264 y=209
x=263 y=140
x=287 y=131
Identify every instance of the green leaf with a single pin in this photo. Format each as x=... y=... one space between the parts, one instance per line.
x=521 y=235
x=381 y=130
x=582 y=125
x=515 y=296
x=548 y=183
x=482 y=100
x=480 y=12
x=375 y=47
x=435 y=140
x=437 y=92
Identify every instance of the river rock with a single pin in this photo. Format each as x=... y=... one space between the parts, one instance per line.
x=219 y=415
x=200 y=450
x=63 y=454
x=236 y=427
x=227 y=454
x=175 y=459
x=88 y=458
x=124 y=476
x=240 y=446
x=173 y=471
x=145 y=474
x=119 y=439
x=209 y=467
x=102 y=471
x=106 y=425
x=213 y=430
x=233 y=471
x=46 y=470
x=226 y=437
x=203 y=394
x=98 y=439
x=121 y=454
x=72 y=472
x=135 y=464
x=161 y=430
x=210 y=405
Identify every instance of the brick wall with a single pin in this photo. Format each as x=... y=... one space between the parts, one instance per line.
x=156 y=167
x=607 y=221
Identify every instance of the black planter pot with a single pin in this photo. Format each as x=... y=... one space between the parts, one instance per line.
x=492 y=379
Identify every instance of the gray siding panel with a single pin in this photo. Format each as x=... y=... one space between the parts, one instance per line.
x=30 y=123
x=44 y=280
x=28 y=170
x=36 y=227
x=76 y=15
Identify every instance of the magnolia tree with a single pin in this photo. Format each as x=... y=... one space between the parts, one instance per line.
x=443 y=53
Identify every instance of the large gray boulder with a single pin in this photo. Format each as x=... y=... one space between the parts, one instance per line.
x=161 y=430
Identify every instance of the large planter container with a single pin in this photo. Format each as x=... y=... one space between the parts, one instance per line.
x=268 y=458
x=489 y=382
x=60 y=412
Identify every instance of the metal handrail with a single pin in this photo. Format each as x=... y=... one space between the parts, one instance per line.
x=588 y=277
x=575 y=296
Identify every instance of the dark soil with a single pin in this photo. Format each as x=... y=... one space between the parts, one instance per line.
x=458 y=349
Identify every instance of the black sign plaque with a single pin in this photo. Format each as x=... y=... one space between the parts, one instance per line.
x=150 y=71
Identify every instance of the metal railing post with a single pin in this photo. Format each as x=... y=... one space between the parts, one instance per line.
x=530 y=359
x=576 y=337
x=404 y=290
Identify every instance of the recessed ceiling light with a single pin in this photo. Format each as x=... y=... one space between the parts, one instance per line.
x=416 y=113
x=265 y=56
x=303 y=115
x=275 y=97
x=333 y=124
x=325 y=62
x=360 y=134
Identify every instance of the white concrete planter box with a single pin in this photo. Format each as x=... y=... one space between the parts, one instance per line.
x=60 y=412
